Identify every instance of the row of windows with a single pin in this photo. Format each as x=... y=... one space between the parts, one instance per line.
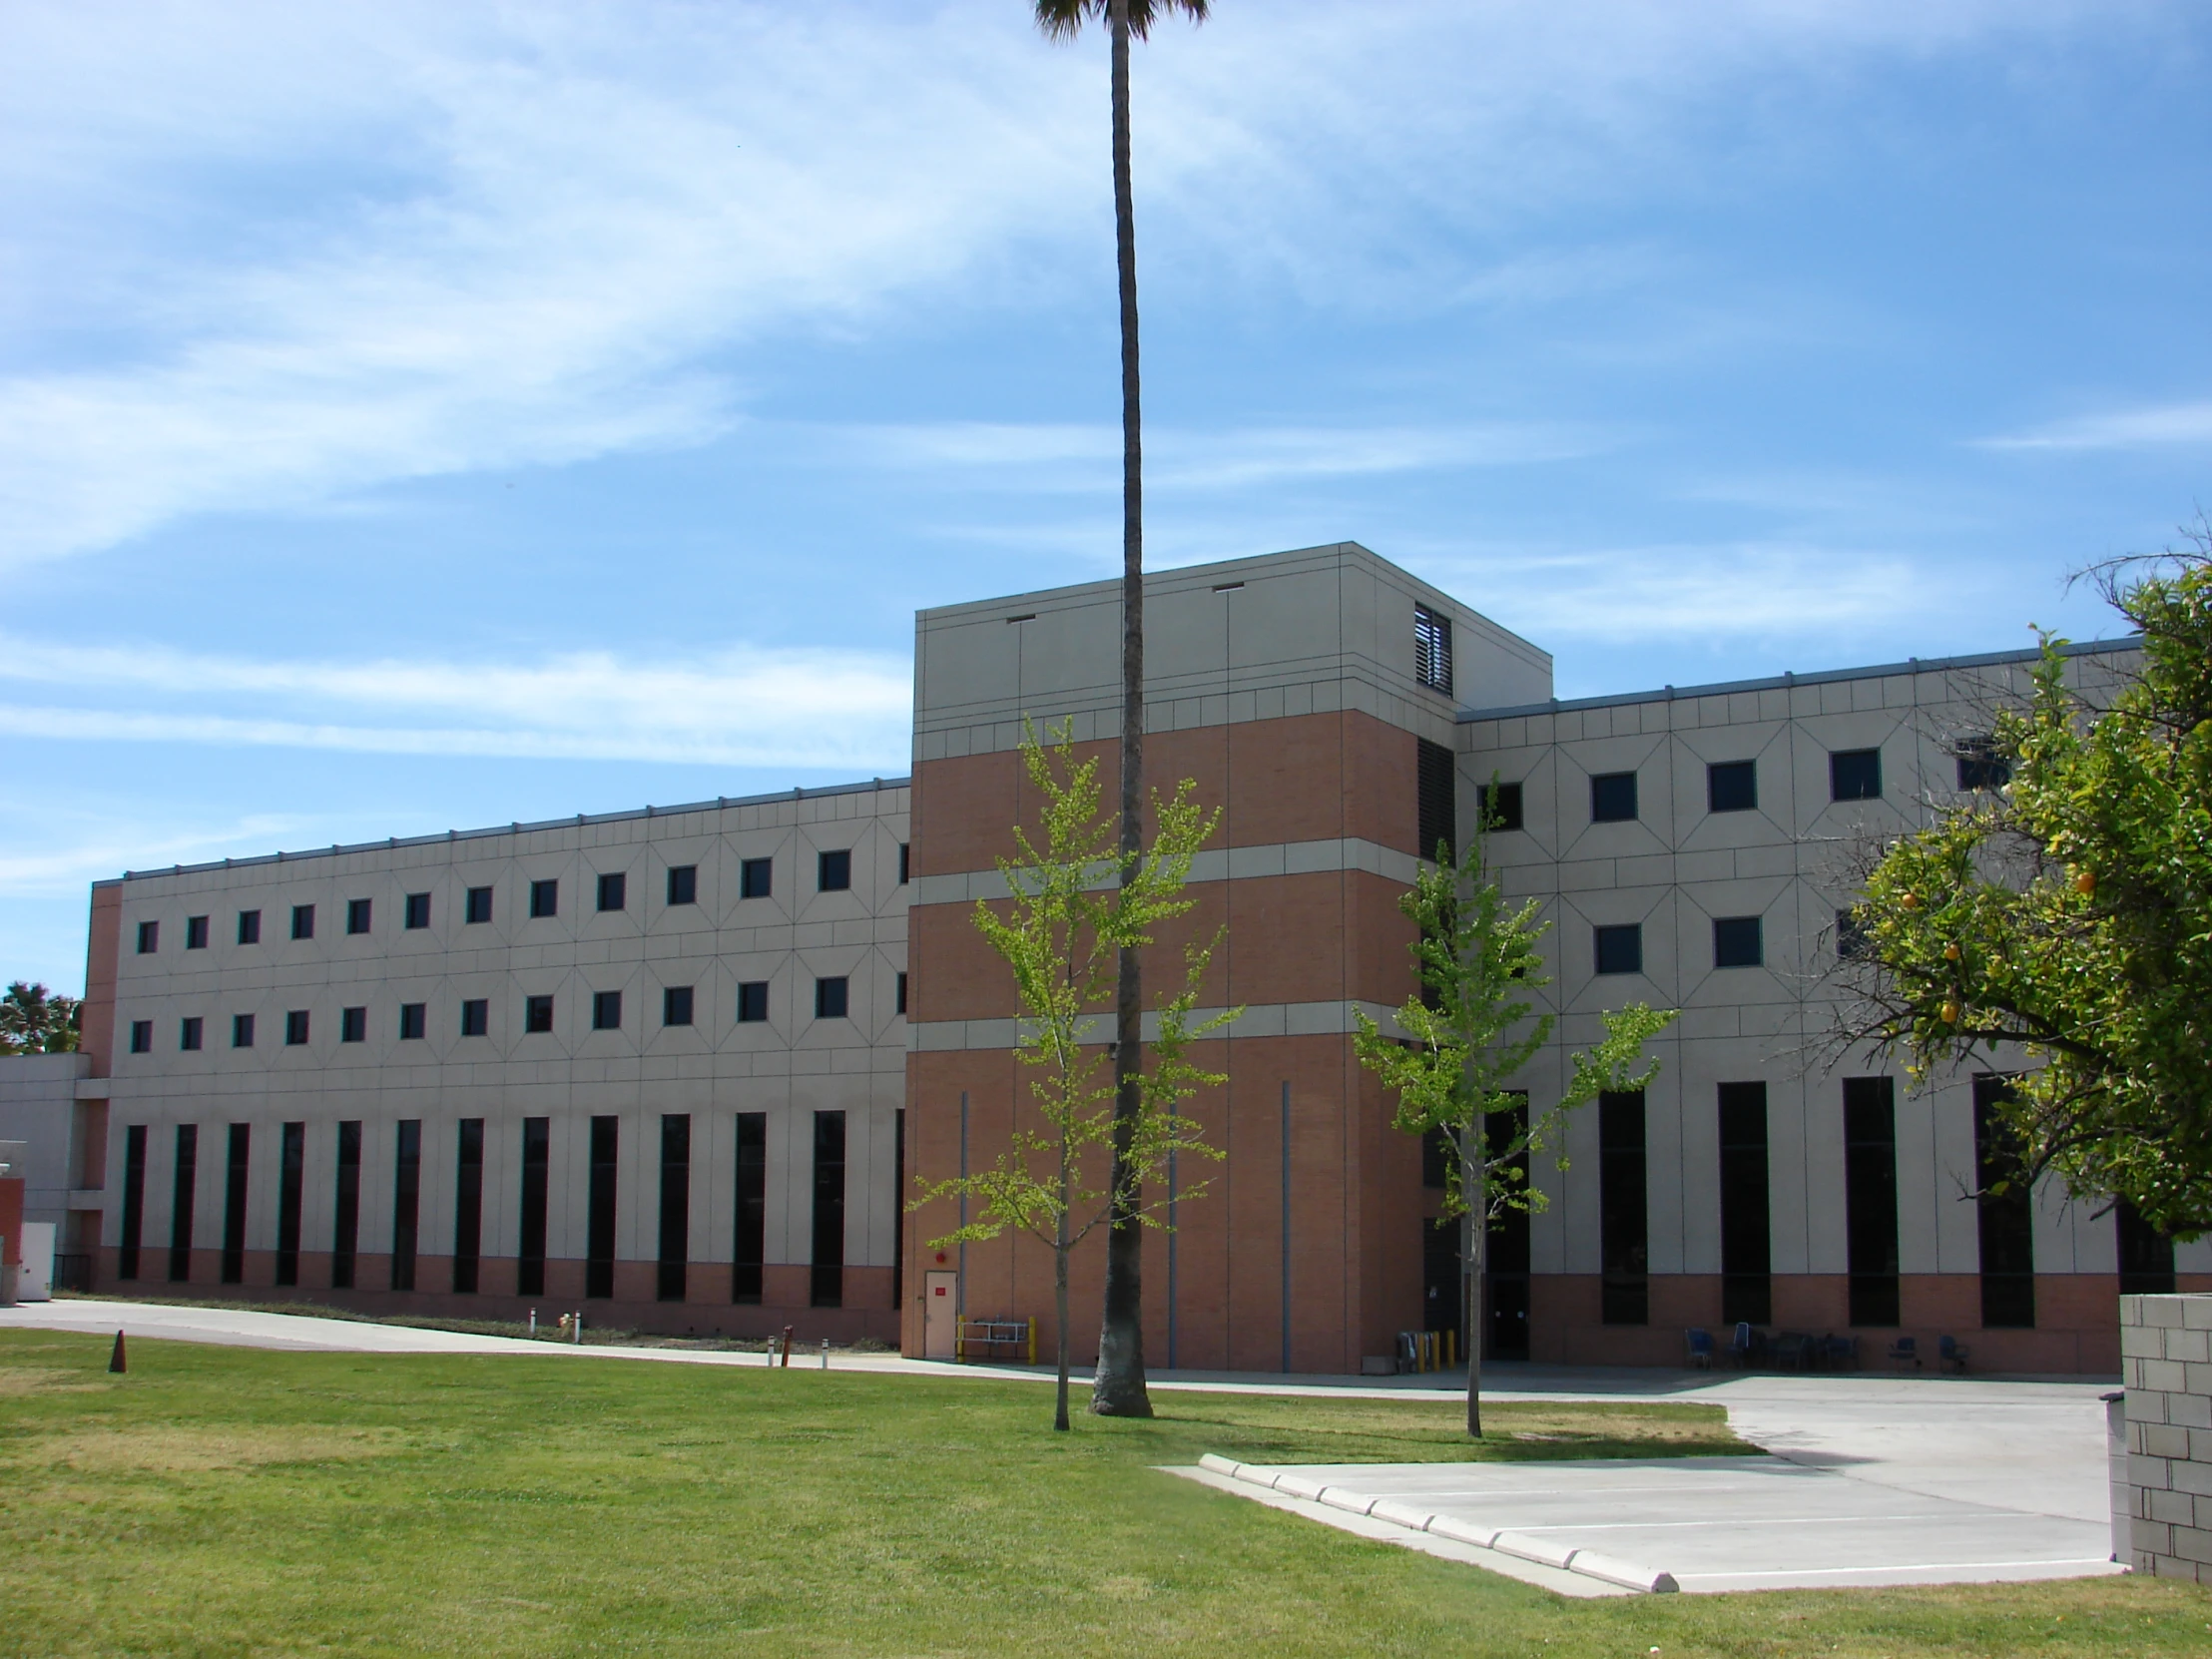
x=833 y=1000
x=756 y=879
x=1733 y=785
x=747 y=1240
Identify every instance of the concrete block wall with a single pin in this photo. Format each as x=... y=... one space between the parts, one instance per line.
x=2166 y=1364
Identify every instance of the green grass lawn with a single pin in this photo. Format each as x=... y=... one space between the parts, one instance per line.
x=222 y=1500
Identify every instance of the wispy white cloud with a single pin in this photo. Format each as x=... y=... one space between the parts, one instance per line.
x=95 y=852
x=560 y=226
x=2158 y=428
x=795 y=708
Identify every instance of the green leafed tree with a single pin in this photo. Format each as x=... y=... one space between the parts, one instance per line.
x=1119 y=1389
x=2065 y=917
x=1470 y=1030
x=34 y=1020
x=1073 y=1163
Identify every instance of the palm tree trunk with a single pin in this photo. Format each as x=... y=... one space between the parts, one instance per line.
x=1119 y=1389
x=1474 y=1182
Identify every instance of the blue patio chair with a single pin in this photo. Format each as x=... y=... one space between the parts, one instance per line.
x=1700 y=1344
x=1906 y=1351
x=1951 y=1353
x=1838 y=1353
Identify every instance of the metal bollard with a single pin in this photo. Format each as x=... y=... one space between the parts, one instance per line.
x=576 y=1329
x=533 y=1322
x=826 y=1354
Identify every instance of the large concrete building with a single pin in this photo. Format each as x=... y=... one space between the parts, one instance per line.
x=666 y=1065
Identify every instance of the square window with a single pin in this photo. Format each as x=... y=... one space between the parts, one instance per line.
x=834 y=871
x=1854 y=774
x=614 y=891
x=906 y=862
x=479 y=905
x=296 y=1027
x=753 y=877
x=676 y=1005
x=189 y=1032
x=1613 y=798
x=537 y=1014
x=303 y=921
x=753 y=1002
x=196 y=933
x=1621 y=949
x=1432 y=649
x=1731 y=786
x=1980 y=767
x=476 y=1017
x=1502 y=805
x=250 y=927
x=150 y=937
x=606 y=1010
x=682 y=885
x=829 y=999
x=352 y=1025
x=1738 y=941
x=901 y=993
x=418 y=911
x=545 y=899
x=241 y=1030
x=414 y=1021
x=356 y=916
x=142 y=1036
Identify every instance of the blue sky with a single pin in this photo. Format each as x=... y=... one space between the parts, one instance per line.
x=423 y=415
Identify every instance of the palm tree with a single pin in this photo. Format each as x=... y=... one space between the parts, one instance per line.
x=1119 y=1388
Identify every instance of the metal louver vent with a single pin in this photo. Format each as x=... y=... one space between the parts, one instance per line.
x=1432 y=649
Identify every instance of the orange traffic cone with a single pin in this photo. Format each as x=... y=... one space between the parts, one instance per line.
x=116 y=1362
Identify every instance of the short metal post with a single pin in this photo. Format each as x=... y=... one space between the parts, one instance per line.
x=826 y=1354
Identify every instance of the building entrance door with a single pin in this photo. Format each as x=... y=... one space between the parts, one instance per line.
x=939 y=1314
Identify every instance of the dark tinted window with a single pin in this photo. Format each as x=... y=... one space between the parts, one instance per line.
x=1850 y=937
x=196 y=933
x=479 y=904
x=676 y=1005
x=829 y=999
x=475 y=1017
x=1871 y=1198
x=1747 y=1286
x=606 y=1010
x=189 y=1032
x=1613 y=798
x=150 y=937
x=1737 y=942
x=414 y=1020
x=682 y=885
x=1624 y=1244
x=303 y=921
x=296 y=1027
x=250 y=927
x=545 y=899
x=418 y=910
x=1854 y=774
x=537 y=1014
x=901 y=994
x=906 y=862
x=352 y=1025
x=356 y=916
x=753 y=877
x=142 y=1036
x=1731 y=786
x=753 y=1002
x=241 y=1030
x=1437 y=802
x=835 y=871
x=1620 y=949
x=614 y=891
x=1980 y=767
x=1502 y=805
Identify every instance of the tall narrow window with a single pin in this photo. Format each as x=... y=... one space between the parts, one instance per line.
x=1507 y=1268
x=905 y=863
x=1624 y=1243
x=614 y=891
x=675 y=1204
x=1432 y=649
x=345 y=1209
x=149 y=937
x=898 y=1218
x=291 y=1180
x=234 y=1203
x=468 y=1207
x=142 y=1036
x=2006 y=1220
x=303 y=921
x=537 y=1164
x=2146 y=1255
x=1747 y=1242
x=599 y=1215
x=900 y=1006
x=828 y=1260
x=183 y=1189
x=1871 y=1198
x=834 y=873
x=133 y=1202
x=406 y=1204
x=752 y=1207
x=250 y=927
x=191 y=1032
x=537 y=1014
x=1437 y=806
x=196 y=933
x=241 y=1030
